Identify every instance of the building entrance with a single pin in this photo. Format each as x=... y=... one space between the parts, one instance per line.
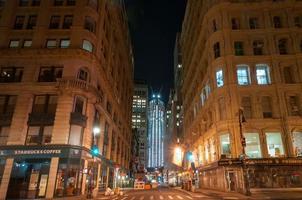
x=28 y=179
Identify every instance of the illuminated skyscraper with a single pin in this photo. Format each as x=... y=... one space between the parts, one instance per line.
x=156 y=132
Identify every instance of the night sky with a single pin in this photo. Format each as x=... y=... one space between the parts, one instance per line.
x=153 y=28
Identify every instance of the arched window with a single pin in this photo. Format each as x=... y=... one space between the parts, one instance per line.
x=87 y=45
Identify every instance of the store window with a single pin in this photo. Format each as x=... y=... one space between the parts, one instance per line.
x=87 y=45
x=243 y=75
x=28 y=179
x=252 y=149
x=263 y=74
x=69 y=177
x=274 y=144
x=219 y=78
x=297 y=143
x=225 y=145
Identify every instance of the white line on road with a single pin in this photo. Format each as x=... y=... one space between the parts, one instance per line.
x=179 y=197
x=170 y=197
x=161 y=197
x=189 y=197
x=151 y=197
x=124 y=198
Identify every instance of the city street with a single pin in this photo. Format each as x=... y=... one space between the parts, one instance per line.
x=158 y=194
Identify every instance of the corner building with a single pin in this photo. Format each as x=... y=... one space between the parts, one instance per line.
x=243 y=54
x=66 y=76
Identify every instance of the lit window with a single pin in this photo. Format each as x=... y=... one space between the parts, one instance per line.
x=274 y=144
x=75 y=135
x=64 y=43
x=297 y=143
x=263 y=74
x=14 y=44
x=87 y=46
x=219 y=78
x=51 y=43
x=225 y=147
x=27 y=43
x=253 y=149
x=243 y=75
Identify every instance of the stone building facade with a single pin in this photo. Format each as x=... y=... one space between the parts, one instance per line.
x=243 y=55
x=65 y=96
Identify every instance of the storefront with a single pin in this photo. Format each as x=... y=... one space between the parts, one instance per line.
x=227 y=174
x=49 y=171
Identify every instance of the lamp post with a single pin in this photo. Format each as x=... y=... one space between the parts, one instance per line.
x=243 y=143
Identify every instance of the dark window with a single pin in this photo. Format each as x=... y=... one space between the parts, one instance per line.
x=109 y=107
x=235 y=24
x=90 y=24
x=282 y=45
x=67 y=21
x=277 y=22
x=293 y=105
x=106 y=139
x=238 y=46
x=253 y=22
x=54 y=22
x=298 y=21
x=35 y=2
x=83 y=75
x=50 y=74
x=267 y=110
x=288 y=75
x=216 y=50
x=71 y=2
x=93 y=4
x=58 y=2
x=45 y=104
x=23 y=2
x=2 y=3
x=258 y=47
x=214 y=26
x=32 y=21
x=79 y=105
x=7 y=104
x=11 y=74
x=19 y=22
x=301 y=45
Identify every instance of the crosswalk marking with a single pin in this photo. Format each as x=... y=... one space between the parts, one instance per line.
x=161 y=197
x=179 y=197
x=170 y=197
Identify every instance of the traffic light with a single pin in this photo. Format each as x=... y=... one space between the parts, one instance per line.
x=95 y=150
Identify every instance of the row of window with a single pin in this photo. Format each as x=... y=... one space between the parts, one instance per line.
x=50 y=43
x=256 y=23
x=55 y=22
x=243 y=75
x=258 y=47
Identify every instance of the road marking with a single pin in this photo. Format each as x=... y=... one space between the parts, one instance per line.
x=151 y=197
x=161 y=197
x=170 y=197
x=179 y=197
x=189 y=197
x=132 y=198
x=124 y=198
x=142 y=198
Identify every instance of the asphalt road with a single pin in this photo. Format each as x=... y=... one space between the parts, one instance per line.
x=157 y=194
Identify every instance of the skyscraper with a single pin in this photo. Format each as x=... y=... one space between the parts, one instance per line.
x=139 y=121
x=156 y=132
x=66 y=81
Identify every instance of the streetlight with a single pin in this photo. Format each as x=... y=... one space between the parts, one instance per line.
x=243 y=157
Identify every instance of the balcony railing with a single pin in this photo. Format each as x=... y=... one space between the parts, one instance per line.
x=41 y=119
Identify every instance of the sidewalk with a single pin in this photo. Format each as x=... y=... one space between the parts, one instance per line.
x=257 y=194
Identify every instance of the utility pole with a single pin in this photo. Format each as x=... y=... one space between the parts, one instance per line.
x=243 y=157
